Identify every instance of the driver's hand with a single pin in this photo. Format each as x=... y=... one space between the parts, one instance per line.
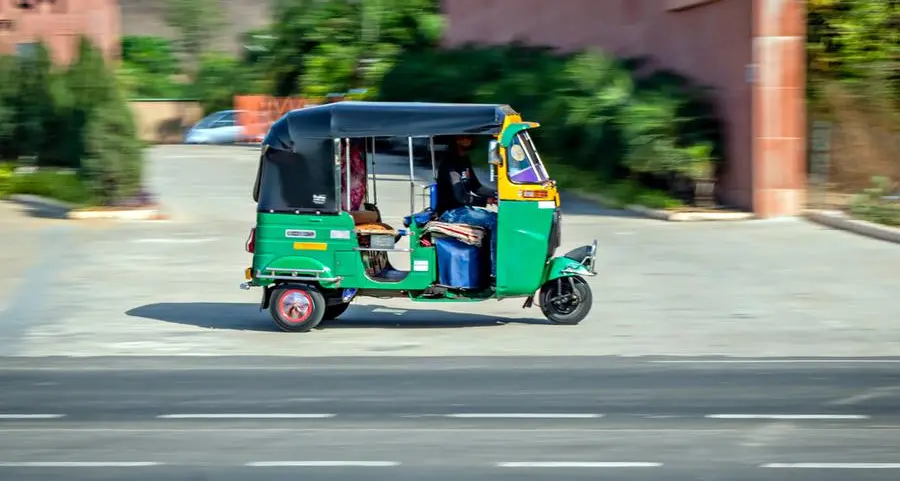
x=492 y=201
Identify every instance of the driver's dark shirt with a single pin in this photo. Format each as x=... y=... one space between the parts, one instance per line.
x=457 y=184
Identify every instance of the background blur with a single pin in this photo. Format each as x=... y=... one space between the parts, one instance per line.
x=768 y=107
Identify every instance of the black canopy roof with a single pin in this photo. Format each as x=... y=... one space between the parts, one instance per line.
x=385 y=119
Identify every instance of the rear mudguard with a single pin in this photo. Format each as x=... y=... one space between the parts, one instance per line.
x=577 y=262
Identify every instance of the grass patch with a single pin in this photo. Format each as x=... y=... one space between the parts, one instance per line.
x=61 y=185
x=617 y=194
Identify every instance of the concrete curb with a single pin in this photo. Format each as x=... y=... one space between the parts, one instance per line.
x=839 y=220
x=65 y=210
x=671 y=216
x=665 y=215
x=130 y=214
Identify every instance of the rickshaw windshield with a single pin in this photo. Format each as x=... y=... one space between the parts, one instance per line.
x=524 y=163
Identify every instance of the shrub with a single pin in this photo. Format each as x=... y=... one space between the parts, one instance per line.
x=105 y=136
x=75 y=118
x=599 y=114
x=875 y=204
x=8 y=107
x=57 y=184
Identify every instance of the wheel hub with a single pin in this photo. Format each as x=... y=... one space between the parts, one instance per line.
x=296 y=306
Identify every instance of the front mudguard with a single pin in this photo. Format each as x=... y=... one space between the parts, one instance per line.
x=577 y=262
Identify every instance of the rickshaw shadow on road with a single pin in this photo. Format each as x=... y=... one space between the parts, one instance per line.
x=237 y=316
x=381 y=317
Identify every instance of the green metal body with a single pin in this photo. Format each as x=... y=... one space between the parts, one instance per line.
x=282 y=253
x=523 y=235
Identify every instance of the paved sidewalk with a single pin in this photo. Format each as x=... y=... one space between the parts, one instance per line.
x=755 y=288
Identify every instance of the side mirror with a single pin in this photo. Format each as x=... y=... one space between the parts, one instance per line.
x=494 y=158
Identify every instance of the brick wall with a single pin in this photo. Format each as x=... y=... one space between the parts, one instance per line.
x=59 y=24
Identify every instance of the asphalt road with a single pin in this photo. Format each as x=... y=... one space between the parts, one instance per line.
x=449 y=418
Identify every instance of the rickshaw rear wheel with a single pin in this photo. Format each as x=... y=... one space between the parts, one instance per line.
x=566 y=300
x=334 y=311
x=297 y=308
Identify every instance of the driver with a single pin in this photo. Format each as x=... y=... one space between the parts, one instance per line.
x=461 y=195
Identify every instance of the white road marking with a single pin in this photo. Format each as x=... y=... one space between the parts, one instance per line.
x=31 y=416
x=524 y=416
x=777 y=361
x=323 y=464
x=833 y=465
x=79 y=464
x=247 y=416
x=787 y=416
x=570 y=464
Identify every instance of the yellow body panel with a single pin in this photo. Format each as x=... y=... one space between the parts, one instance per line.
x=310 y=246
x=506 y=190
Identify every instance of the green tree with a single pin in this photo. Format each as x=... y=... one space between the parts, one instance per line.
x=102 y=134
x=35 y=107
x=855 y=42
x=9 y=75
x=335 y=45
x=196 y=23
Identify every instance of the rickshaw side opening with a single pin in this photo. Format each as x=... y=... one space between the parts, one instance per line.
x=315 y=247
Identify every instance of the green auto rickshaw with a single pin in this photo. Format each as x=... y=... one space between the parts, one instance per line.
x=315 y=249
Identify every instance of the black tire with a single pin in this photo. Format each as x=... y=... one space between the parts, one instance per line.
x=334 y=311
x=297 y=308
x=561 y=305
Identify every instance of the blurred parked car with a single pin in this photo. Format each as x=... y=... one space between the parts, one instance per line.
x=220 y=128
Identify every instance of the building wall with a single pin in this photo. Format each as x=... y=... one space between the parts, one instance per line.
x=711 y=41
x=165 y=121
x=59 y=24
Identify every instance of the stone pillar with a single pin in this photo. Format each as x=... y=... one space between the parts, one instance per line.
x=779 y=107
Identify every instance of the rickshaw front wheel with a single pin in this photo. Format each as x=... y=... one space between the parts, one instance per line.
x=297 y=308
x=566 y=300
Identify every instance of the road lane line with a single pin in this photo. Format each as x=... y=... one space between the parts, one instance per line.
x=322 y=464
x=832 y=465
x=571 y=464
x=247 y=416
x=31 y=416
x=525 y=415
x=79 y=464
x=788 y=416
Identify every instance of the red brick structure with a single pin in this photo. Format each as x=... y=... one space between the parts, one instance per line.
x=750 y=51
x=59 y=23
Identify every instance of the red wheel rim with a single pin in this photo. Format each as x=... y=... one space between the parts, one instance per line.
x=295 y=306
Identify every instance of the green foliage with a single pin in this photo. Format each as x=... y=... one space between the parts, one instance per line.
x=35 y=106
x=75 y=118
x=598 y=117
x=9 y=72
x=856 y=42
x=57 y=184
x=337 y=45
x=875 y=204
x=153 y=55
x=149 y=68
x=196 y=23
x=219 y=79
